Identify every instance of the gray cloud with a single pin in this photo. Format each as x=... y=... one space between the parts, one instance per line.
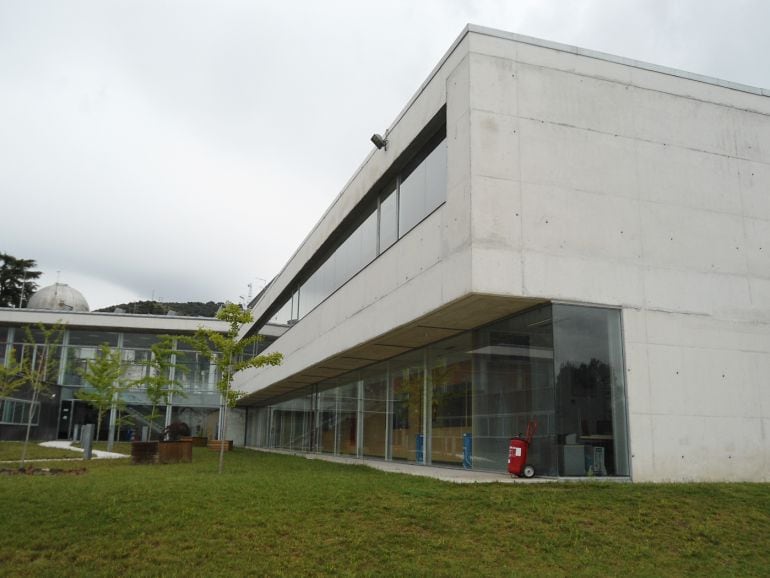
x=187 y=147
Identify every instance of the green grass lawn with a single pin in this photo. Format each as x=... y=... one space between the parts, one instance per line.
x=11 y=452
x=280 y=515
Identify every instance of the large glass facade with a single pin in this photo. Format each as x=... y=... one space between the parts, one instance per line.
x=450 y=375
x=590 y=391
x=459 y=402
x=514 y=386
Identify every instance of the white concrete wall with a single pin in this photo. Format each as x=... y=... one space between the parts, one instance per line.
x=236 y=426
x=599 y=182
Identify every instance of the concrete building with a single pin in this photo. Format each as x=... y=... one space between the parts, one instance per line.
x=59 y=414
x=549 y=234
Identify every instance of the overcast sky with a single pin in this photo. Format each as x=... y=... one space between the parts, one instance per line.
x=183 y=149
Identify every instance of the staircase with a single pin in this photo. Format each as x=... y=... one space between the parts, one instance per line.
x=141 y=420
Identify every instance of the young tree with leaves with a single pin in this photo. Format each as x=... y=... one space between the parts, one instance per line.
x=103 y=383
x=39 y=367
x=17 y=280
x=11 y=375
x=158 y=384
x=230 y=356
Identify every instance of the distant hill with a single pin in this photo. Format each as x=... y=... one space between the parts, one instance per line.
x=189 y=309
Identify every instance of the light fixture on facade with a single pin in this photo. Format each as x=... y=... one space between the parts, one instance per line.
x=379 y=141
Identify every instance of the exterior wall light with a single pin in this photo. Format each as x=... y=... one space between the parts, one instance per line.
x=379 y=141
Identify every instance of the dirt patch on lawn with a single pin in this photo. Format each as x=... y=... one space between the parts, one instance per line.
x=42 y=472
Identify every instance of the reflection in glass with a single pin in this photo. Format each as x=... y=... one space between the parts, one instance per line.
x=92 y=338
x=451 y=396
x=407 y=378
x=375 y=408
x=388 y=218
x=292 y=424
x=513 y=378
x=590 y=391
x=327 y=408
x=347 y=419
x=422 y=189
x=560 y=366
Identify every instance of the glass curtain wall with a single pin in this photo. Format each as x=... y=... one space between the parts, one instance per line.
x=451 y=399
x=82 y=348
x=291 y=424
x=407 y=382
x=590 y=391
x=376 y=430
x=513 y=387
x=459 y=402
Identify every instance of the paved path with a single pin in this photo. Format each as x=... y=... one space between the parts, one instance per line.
x=67 y=445
x=454 y=475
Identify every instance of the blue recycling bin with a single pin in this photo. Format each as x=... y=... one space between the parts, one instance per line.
x=420 y=442
x=468 y=451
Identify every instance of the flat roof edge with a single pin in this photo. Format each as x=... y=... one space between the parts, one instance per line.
x=615 y=59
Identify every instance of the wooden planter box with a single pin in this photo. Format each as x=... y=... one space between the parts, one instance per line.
x=197 y=441
x=144 y=452
x=217 y=445
x=175 y=452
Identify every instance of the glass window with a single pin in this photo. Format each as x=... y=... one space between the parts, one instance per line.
x=411 y=199
x=3 y=340
x=407 y=378
x=347 y=419
x=193 y=371
x=422 y=189
x=139 y=340
x=16 y=411
x=590 y=391
x=435 y=178
x=292 y=424
x=94 y=338
x=388 y=218
x=284 y=314
x=451 y=374
x=513 y=385
x=327 y=408
x=375 y=407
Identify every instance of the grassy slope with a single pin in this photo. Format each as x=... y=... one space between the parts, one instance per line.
x=272 y=514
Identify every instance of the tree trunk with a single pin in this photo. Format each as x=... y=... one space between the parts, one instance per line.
x=98 y=425
x=222 y=437
x=29 y=427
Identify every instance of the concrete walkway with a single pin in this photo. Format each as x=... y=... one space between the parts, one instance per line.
x=454 y=475
x=67 y=445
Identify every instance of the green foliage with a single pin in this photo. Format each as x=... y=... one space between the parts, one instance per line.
x=314 y=518
x=38 y=367
x=40 y=359
x=104 y=385
x=157 y=382
x=11 y=375
x=184 y=309
x=229 y=354
x=17 y=280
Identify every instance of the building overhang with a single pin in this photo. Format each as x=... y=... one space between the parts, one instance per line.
x=122 y=321
x=464 y=314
